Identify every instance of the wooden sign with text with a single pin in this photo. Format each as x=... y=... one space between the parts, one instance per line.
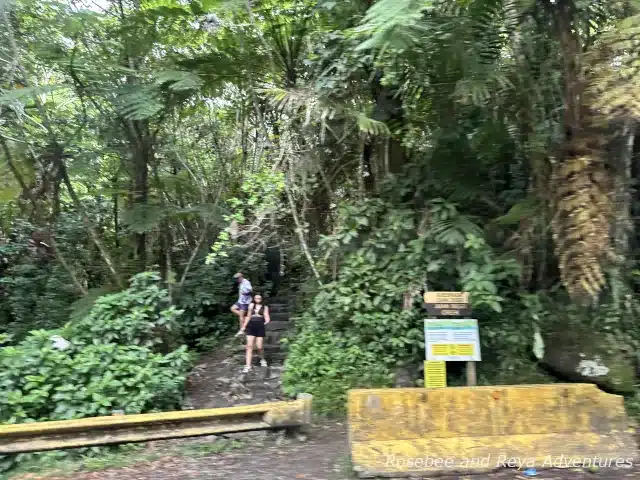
x=447 y=304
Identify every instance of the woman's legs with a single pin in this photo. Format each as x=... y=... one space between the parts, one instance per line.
x=260 y=345
x=249 y=355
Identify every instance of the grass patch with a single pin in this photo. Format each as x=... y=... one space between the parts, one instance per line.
x=67 y=463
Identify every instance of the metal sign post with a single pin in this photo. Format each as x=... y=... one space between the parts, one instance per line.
x=449 y=339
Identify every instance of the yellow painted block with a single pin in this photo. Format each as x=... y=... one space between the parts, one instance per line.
x=474 y=429
x=435 y=374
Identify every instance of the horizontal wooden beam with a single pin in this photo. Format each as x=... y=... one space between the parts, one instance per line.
x=86 y=432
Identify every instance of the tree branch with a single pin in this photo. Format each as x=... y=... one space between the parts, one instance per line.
x=92 y=231
x=300 y=231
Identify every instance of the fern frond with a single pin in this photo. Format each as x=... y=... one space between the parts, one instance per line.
x=138 y=102
x=527 y=208
x=615 y=64
x=581 y=224
x=317 y=109
x=370 y=126
x=393 y=23
x=178 y=80
x=143 y=218
x=24 y=95
x=452 y=229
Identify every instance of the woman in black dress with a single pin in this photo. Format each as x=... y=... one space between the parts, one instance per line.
x=254 y=327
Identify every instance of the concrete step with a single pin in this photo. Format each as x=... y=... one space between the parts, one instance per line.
x=273 y=338
x=268 y=349
x=281 y=299
x=279 y=317
x=278 y=325
x=280 y=308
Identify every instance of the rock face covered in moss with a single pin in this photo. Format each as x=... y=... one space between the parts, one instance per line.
x=581 y=354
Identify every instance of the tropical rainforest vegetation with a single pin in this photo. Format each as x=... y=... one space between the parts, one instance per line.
x=151 y=148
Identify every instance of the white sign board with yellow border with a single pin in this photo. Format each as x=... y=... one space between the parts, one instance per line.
x=452 y=340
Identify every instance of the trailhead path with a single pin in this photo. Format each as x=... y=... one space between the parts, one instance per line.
x=324 y=455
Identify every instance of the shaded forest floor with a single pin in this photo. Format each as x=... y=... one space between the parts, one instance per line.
x=215 y=382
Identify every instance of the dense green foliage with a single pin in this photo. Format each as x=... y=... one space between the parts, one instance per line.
x=112 y=361
x=381 y=147
x=108 y=361
x=356 y=331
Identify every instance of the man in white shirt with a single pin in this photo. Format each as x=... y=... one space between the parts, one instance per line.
x=244 y=297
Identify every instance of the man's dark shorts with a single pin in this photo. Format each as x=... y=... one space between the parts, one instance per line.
x=242 y=306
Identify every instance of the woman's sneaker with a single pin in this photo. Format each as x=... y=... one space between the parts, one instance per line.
x=246 y=369
x=263 y=362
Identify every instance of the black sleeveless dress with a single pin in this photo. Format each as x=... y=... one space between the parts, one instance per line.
x=256 y=326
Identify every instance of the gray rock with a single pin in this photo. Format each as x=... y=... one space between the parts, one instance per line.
x=580 y=354
x=404 y=378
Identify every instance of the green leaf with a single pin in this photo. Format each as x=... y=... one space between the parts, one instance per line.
x=23 y=95
x=372 y=127
x=527 y=208
x=144 y=218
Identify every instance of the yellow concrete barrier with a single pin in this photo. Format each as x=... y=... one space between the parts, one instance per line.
x=413 y=431
x=40 y=436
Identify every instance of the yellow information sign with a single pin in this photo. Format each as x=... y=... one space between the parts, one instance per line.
x=457 y=349
x=435 y=374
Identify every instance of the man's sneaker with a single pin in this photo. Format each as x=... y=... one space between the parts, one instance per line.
x=246 y=369
x=263 y=362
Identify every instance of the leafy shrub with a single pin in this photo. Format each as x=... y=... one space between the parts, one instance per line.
x=385 y=253
x=140 y=315
x=326 y=365
x=111 y=362
x=40 y=383
x=108 y=364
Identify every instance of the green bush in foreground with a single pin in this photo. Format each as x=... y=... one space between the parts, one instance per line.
x=108 y=361
x=39 y=382
x=327 y=366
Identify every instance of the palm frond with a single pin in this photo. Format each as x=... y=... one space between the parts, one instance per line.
x=316 y=109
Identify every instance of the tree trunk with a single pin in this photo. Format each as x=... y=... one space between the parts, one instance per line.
x=579 y=187
x=622 y=226
x=143 y=158
x=389 y=109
